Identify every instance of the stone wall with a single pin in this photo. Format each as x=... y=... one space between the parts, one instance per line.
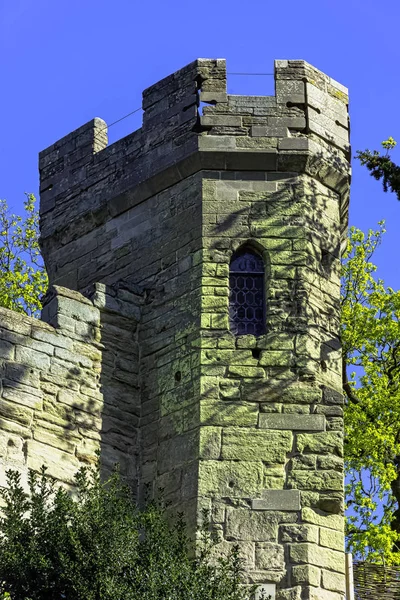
x=248 y=428
x=271 y=472
x=69 y=385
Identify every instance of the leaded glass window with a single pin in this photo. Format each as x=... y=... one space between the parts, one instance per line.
x=247 y=295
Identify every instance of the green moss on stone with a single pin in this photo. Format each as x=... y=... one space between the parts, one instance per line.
x=230 y=479
x=247 y=444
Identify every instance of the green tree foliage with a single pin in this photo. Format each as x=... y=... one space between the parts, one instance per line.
x=97 y=545
x=382 y=167
x=371 y=347
x=23 y=279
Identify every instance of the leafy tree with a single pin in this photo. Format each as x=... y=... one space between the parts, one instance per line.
x=99 y=546
x=382 y=167
x=23 y=279
x=371 y=345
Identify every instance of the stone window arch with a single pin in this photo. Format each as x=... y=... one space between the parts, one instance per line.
x=247 y=292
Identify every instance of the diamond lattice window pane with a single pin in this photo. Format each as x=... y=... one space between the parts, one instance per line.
x=247 y=299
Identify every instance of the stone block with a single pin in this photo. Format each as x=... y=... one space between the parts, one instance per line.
x=13 y=427
x=19 y=374
x=86 y=450
x=331 y=539
x=14 y=322
x=61 y=465
x=315 y=480
x=275 y=358
x=210 y=443
x=320 y=594
x=213 y=96
x=321 y=443
x=7 y=350
x=299 y=533
x=60 y=442
x=78 y=310
x=306 y=574
x=256 y=372
x=87 y=404
x=12 y=448
x=230 y=479
x=24 y=398
x=218 y=511
x=299 y=143
x=296 y=409
x=331 y=396
x=294 y=422
x=221 y=121
x=252 y=445
x=16 y=412
x=177 y=451
x=290 y=122
x=330 y=462
x=277 y=500
x=246 y=551
x=322 y=519
x=229 y=389
x=269 y=556
x=315 y=555
x=32 y=358
x=333 y=581
x=228 y=413
x=247 y=525
x=216 y=142
x=298 y=394
x=266 y=131
x=293 y=593
x=304 y=461
x=289 y=87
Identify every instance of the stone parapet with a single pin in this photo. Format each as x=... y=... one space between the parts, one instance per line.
x=69 y=386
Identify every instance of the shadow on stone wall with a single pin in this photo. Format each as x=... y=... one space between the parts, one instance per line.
x=69 y=387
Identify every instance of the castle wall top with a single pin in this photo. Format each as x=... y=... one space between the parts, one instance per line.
x=303 y=128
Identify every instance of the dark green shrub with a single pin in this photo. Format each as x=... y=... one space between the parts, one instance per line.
x=97 y=545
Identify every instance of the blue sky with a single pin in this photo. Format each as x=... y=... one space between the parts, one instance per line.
x=65 y=62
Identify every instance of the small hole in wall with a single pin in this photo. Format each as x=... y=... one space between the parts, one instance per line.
x=326 y=259
x=231 y=484
x=324 y=366
x=10 y=443
x=256 y=353
x=178 y=376
x=292 y=104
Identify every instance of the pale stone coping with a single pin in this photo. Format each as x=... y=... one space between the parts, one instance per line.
x=11 y=319
x=291 y=421
x=284 y=500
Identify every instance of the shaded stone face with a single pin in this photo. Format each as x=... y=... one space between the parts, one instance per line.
x=70 y=386
x=150 y=366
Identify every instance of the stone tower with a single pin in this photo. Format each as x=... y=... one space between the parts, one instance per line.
x=195 y=269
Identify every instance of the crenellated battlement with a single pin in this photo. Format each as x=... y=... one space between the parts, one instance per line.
x=84 y=182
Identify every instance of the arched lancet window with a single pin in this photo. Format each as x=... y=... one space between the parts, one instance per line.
x=247 y=293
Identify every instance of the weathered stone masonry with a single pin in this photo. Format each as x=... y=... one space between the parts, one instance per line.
x=69 y=386
x=139 y=360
